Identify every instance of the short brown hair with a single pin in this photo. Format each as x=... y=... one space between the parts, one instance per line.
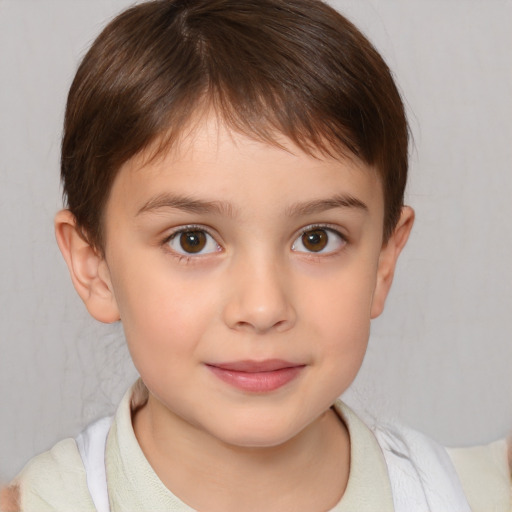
x=294 y=67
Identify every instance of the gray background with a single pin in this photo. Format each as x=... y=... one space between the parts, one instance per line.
x=441 y=355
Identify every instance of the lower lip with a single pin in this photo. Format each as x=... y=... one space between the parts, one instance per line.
x=257 y=382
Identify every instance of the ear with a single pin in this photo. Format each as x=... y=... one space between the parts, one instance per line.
x=88 y=269
x=388 y=258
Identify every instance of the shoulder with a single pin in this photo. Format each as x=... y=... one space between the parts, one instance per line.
x=485 y=475
x=481 y=474
x=420 y=467
x=419 y=471
x=55 y=481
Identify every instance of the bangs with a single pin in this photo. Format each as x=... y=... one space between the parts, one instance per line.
x=264 y=67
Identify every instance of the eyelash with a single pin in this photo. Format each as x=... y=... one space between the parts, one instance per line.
x=321 y=227
x=181 y=257
x=187 y=258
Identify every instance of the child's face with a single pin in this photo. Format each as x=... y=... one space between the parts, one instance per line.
x=245 y=277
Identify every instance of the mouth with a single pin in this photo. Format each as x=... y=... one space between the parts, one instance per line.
x=257 y=376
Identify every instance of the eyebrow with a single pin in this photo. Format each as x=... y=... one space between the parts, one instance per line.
x=322 y=205
x=187 y=204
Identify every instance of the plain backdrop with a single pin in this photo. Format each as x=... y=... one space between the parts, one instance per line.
x=440 y=358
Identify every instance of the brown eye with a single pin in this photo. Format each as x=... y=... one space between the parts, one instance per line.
x=319 y=240
x=193 y=241
x=315 y=240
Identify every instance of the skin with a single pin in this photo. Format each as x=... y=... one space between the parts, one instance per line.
x=10 y=499
x=255 y=292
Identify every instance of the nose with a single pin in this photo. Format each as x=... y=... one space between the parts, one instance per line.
x=259 y=299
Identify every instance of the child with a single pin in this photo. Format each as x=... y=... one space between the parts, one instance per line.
x=234 y=174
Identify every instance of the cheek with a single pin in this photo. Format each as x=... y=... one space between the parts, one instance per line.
x=162 y=315
x=343 y=352
x=342 y=302
x=345 y=340
x=339 y=316
x=163 y=334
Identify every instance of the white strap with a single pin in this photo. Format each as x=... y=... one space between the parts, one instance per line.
x=91 y=444
x=423 y=478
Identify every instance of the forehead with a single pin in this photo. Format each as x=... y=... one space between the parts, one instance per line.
x=212 y=162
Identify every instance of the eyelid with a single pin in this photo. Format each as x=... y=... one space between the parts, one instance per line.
x=328 y=227
x=188 y=227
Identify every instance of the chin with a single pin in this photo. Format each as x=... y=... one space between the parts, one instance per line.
x=258 y=441
x=257 y=433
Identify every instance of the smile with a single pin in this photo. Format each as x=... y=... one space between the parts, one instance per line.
x=257 y=376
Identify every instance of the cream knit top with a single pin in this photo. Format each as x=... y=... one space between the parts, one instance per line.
x=55 y=481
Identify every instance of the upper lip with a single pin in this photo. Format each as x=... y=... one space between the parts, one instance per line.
x=250 y=366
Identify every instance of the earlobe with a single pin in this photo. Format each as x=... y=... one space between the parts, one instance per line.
x=388 y=259
x=88 y=269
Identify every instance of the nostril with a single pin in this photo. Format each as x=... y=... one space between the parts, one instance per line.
x=280 y=324
x=259 y=326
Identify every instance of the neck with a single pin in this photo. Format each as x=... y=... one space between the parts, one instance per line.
x=236 y=478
